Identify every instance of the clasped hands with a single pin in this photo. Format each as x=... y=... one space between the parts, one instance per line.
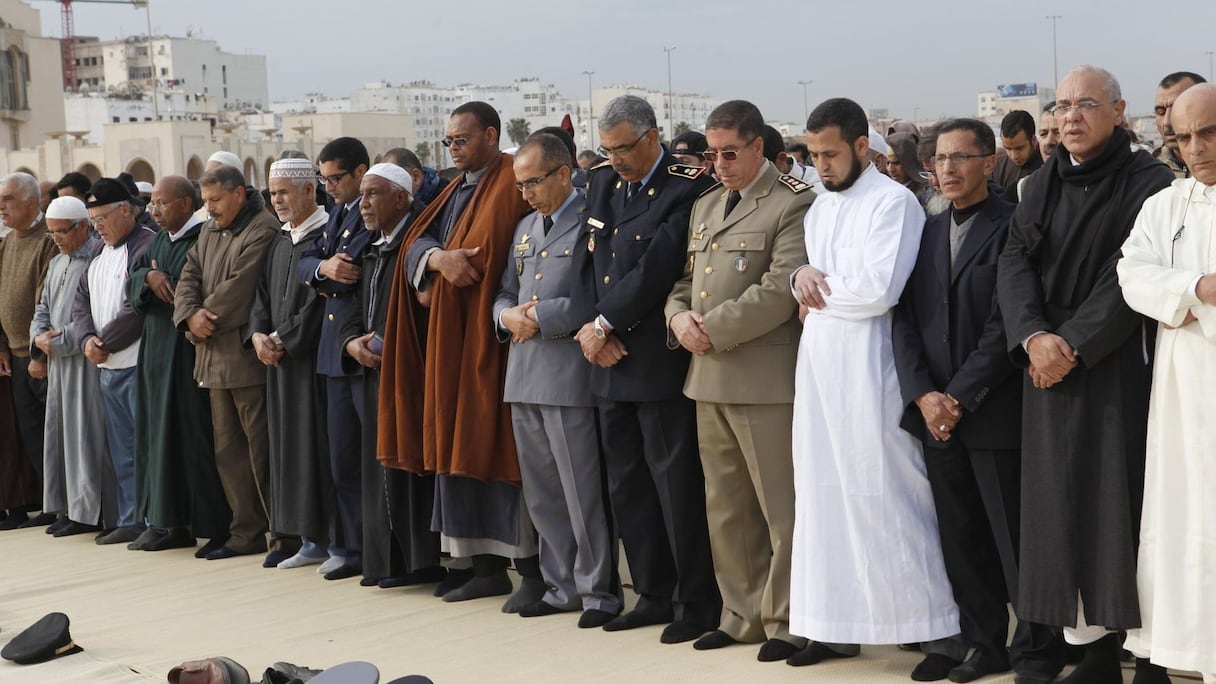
x=1051 y=358
x=941 y=414
x=268 y=352
x=689 y=329
x=604 y=353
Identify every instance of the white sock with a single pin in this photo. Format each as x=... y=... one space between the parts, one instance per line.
x=300 y=560
x=331 y=564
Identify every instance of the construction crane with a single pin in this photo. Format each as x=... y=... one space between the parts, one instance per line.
x=68 y=44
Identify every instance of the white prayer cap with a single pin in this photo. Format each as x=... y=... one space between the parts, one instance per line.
x=878 y=144
x=226 y=159
x=293 y=168
x=393 y=174
x=144 y=187
x=69 y=208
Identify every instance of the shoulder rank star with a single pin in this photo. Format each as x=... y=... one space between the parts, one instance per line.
x=524 y=240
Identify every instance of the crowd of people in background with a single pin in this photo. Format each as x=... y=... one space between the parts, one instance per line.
x=866 y=388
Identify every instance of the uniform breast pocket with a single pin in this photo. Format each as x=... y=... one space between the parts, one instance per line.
x=744 y=242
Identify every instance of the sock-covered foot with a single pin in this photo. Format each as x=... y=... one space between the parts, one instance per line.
x=775 y=649
x=332 y=563
x=714 y=640
x=1100 y=664
x=496 y=584
x=1148 y=673
x=813 y=654
x=531 y=590
x=300 y=560
x=454 y=580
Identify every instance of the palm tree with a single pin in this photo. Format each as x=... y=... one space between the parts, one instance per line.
x=518 y=130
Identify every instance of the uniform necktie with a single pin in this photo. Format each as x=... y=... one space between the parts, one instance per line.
x=732 y=199
x=548 y=222
x=341 y=215
x=633 y=190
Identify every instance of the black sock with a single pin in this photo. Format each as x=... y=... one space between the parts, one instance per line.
x=528 y=567
x=485 y=564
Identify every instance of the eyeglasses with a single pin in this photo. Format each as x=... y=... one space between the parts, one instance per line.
x=956 y=159
x=730 y=155
x=334 y=179
x=1081 y=107
x=161 y=205
x=531 y=183
x=623 y=150
x=100 y=220
x=64 y=233
x=454 y=142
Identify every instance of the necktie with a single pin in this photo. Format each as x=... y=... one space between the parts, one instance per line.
x=633 y=190
x=732 y=199
x=548 y=221
x=341 y=215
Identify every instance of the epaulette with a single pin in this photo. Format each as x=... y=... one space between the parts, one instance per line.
x=606 y=162
x=711 y=188
x=686 y=171
x=796 y=184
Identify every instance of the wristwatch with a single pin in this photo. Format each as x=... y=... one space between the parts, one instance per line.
x=600 y=332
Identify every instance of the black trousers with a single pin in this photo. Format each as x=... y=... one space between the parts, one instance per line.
x=344 y=420
x=657 y=492
x=977 y=494
x=29 y=405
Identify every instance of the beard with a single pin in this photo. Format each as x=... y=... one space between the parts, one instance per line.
x=849 y=180
x=936 y=203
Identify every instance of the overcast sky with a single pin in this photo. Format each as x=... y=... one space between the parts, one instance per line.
x=931 y=57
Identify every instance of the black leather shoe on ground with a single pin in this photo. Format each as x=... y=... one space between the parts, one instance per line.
x=594 y=618
x=146 y=537
x=714 y=640
x=177 y=538
x=40 y=520
x=641 y=616
x=74 y=528
x=680 y=631
x=775 y=649
x=935 y=667
x=978 y=665
x=813 y=654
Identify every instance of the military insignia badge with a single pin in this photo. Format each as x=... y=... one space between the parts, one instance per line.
x=591 y=243
x=699 y=232
x=519 y=267
x=740 y=263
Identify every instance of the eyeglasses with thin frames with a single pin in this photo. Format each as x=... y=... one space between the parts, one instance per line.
x=1081 y=107
x=64 y=233
x=957 y=159
x=623 y=150
x=531 y=183
x=729 y=155
x=101 y=220
x=333 y=179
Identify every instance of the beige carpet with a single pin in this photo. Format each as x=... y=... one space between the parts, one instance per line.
x=137 y=614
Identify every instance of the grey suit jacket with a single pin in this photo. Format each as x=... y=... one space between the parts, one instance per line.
x=549 y=368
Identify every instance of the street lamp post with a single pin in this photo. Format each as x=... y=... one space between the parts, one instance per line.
x=806 y=110
x=1055 y=64
x=590 y=113
x=671 y=107
x=1211 y=73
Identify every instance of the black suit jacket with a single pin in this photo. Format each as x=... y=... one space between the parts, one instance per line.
x=350 y=237
x=949 y=336
x=631 y=254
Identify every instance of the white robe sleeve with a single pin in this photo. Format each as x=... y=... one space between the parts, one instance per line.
x=873 y=286
x=1150 y=285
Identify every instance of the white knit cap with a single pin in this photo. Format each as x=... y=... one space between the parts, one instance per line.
x=144 y=187
x=226 y=158
x=393 y=174
x=293 y=168
x=69 y=208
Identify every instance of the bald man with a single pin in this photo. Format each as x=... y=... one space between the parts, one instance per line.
x=1162 y=273
x=177 y=488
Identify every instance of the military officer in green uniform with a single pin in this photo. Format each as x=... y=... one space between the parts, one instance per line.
x=733 y=311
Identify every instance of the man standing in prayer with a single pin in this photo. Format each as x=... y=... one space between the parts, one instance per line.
x=211 y=304
x=24 y=257
x=1168 y=90
x=78 y=476
x=434 y=418
x=108 y=331
x=177 y=487
x=284 y=328
x=1085 y=393
x=1165 y=273
x=399 y=547
x=880 y=579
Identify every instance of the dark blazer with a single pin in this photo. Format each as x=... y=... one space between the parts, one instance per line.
x=349 y=237
x=949 y=336
x=630 y=256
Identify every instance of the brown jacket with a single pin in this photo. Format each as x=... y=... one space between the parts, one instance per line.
x=458 y=424
x=221 y=274
x=24 y=259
